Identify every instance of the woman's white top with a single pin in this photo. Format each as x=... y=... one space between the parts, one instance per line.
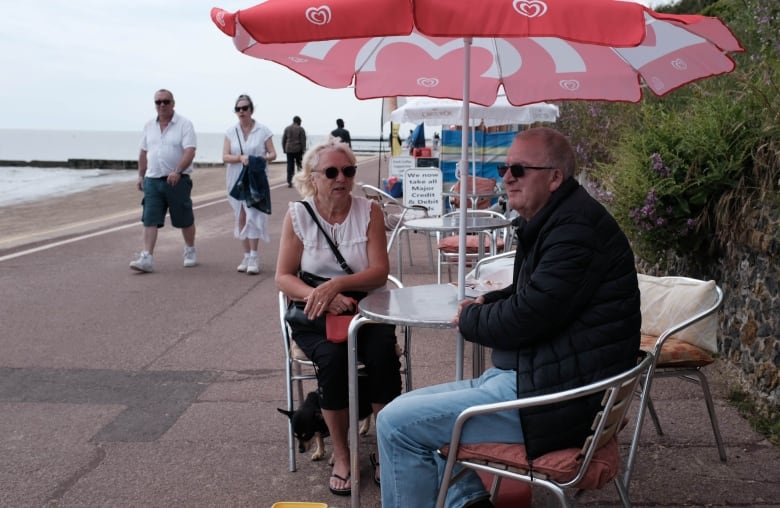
x=350 y=236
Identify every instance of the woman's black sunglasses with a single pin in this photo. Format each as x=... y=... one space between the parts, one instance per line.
x=241 y=108
x=518 y=170
x=332 y=172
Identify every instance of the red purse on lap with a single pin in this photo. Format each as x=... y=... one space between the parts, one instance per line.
x=337 y=325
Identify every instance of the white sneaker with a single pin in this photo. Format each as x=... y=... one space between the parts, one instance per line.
x=190 y=256
x=143 y=263
x=252 y=265
x=242 y=266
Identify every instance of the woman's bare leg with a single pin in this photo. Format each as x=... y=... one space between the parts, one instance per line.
x=338 y=422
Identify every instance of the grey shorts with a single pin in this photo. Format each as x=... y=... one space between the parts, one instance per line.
x=160 y=197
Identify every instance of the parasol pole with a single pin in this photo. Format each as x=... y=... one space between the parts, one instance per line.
x=381 y=143
x=464 y=170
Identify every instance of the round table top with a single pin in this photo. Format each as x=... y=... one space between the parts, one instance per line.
x=426 y=306
x=452 y=223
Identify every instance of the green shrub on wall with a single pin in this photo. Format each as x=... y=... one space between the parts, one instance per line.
x=664 y=174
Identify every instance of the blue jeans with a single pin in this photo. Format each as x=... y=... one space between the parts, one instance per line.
x=413 y=426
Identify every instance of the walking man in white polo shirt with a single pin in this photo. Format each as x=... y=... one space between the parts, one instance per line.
x=164 y=167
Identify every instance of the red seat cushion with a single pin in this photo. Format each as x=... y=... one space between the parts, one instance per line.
x=560 y=465
x=449 y=244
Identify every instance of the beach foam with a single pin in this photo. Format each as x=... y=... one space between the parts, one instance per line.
x=24 y=184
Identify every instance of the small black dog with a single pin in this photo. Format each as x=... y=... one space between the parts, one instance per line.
x=310 y=428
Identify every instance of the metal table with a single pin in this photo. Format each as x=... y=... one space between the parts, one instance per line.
x=449 y=224
x=428 y=306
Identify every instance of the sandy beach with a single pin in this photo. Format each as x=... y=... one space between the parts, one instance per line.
x=27 y=224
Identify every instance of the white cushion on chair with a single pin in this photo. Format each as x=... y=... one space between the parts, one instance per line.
x=670 y=300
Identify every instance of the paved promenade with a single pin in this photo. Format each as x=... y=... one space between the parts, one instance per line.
x=127 y=390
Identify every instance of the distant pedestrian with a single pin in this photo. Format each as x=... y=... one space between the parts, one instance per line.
x=341 y=133
x=293 y=144
x=164 y=166
x=246 y=139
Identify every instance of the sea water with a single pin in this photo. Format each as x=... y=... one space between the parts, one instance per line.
x=25 y=183
x=59 y=145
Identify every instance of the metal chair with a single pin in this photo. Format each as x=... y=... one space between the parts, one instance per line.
x=484 y=187
x=492 y=242
x=679 y=327
x=590 y=467
x=395 y=213
x=298 y=368
x=502 y=267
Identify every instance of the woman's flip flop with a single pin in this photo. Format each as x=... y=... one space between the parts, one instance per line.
x=374 y=462
x=340 y=492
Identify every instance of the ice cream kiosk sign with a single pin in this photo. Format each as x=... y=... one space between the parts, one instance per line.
x=422 y=186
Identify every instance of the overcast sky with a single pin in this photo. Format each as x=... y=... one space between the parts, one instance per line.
x=95 y=65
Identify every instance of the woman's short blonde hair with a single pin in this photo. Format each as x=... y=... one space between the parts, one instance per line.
x=302 y=179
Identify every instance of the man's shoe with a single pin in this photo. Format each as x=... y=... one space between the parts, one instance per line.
x=244 y=262
x=190 y=256
x=143 y=263
x=253 y=265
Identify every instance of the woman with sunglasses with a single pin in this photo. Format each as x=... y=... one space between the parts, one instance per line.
x=247 y=138
x=356 y=227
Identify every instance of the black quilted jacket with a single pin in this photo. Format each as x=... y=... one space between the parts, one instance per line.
x=570 y=318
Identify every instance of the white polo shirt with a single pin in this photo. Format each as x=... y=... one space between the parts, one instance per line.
x=165 y=149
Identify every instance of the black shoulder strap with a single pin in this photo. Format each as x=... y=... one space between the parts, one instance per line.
x=342 y=262
x=239 y=141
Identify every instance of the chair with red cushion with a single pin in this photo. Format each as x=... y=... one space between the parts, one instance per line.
x=396 y=213
x=298 y=367
x=482 y=185
x=493 y=242
x=592 y=466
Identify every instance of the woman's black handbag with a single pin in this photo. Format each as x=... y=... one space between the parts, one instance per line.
x=296 y=318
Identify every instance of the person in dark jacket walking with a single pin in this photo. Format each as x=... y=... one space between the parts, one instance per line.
x=341 y=133
x=293 y=144
x=570 y=317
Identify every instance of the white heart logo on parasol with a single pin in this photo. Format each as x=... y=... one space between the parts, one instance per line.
x=221 y=18
x=428 y=82
x=679 y=64
x=530 y=8
x=570 y=85
x=318 y=15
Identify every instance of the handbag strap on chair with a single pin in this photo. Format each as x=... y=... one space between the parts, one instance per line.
x=342 y=262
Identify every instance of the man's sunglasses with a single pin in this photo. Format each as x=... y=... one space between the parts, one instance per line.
x=241 y=108
x=332 y=172
x=162 y=101
x=518 y=170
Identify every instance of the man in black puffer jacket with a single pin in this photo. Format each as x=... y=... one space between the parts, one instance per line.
x=570 y=317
